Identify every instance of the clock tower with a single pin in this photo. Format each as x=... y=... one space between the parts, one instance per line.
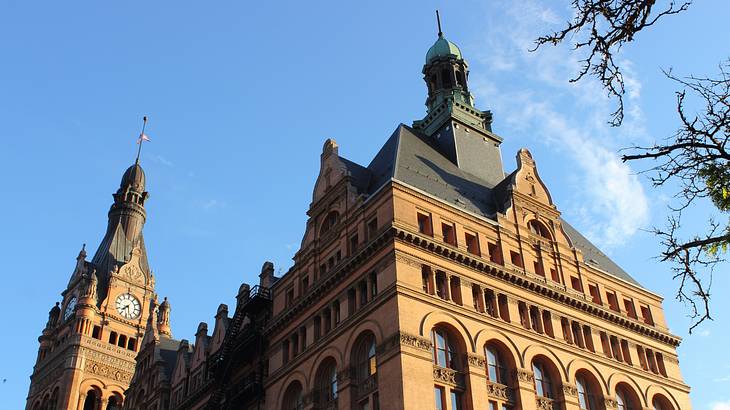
x=89 y=344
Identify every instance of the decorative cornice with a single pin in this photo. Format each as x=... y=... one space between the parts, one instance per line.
x=519 y=278
x=524 y=376
x=476 y=360
x=570 y=390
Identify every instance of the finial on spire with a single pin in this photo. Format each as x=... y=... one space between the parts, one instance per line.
x=142 y=138
x=438 y=21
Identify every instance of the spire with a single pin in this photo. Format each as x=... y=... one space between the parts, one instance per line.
x=151 y=334
x=127 y=217
x=438 y=21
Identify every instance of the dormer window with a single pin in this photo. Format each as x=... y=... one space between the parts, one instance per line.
x=329 y=221
x=539 y=229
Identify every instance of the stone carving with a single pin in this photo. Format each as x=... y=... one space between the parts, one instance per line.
x=610 y=403
x=407 y=260
x=414 y=341
x=524 y=376
x=543 y=403
x=108 y=372
x=476 y=360
x=499 y=391
x=570 y=390
x=448 y=376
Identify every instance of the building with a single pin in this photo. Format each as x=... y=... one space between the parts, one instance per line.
x=430 y=278
x=88 y=348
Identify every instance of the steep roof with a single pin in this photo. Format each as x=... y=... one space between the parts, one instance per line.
x=410 y=157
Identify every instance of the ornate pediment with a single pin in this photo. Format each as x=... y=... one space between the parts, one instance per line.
x=132 y=270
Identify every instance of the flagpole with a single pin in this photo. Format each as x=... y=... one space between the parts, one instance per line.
x=141 y=140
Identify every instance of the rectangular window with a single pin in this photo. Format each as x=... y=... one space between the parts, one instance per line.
x=442 y=288
x=372 y=228
x=547 y=322
x=503 y=307
x=449 y=233
x=515 y=258
x=425 y=225
x=354 y=242
x=575 y=284
x=373 y=284
x=305 y=284
x=612 y=301
x=476 y=294
x=567 y=332
x=317 y=327
x=588 y=336
x=96 y=332
x=539 y=270
x=439 y=394
x=303 y=336
x=336 y=312
x=294 y=344
x=493 y=405
x=524 y=316
x=535 y=319
x=455 y=400
x=646 y=315
x=132 y=344
x=495 y=253
x=630 y=309
x=113 y=338
x=554 y=275
x=626 y=352
x=595 y=294
x=427 y=279
x=660 y=363
x=616 y=349
x=455 y=288
x=285 y=351
x=363 y=286
x=652 y=360
x=472 y=243
x=289 y=297
x=577 y=334
x=605 y=345
x=491 y=302
x=322 y=269
x=642 y=357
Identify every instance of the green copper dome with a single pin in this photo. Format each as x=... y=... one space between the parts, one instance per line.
x=442 y=48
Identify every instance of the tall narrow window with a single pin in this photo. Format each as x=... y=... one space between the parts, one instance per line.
x=427 y=279
x=495 y=253
x=491 y=302
x=439 y=394
x=317 y=327
x=606 y=345
x=577 y=334
x=626 y=352
x=476 y=298
x=543 y=384
x=455 y=400
x=336 y=311
x=354 y=242
x=449 y=233
x=588 y=336
x=425 y=226
x=442 y=287
x=595 y=294
x=372 y=228
x=575 y=283
x=524 y=315
x=503 y=307
x=373 y=277
x=516 y=259
x=586 y=399
x=472 y=243
x=444 y=349
x=547 y=323
x=496 y=370
x=612 y=301
x=630 y=309
x=646 y=315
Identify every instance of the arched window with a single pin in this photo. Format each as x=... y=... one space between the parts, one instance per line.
x=626 y=399
x=326 y=381
x=587 y=391
x=661 y=403
x=446 y=79
x=445 y=351
x=543 y=381
x=293 y=398
x=364 y=370
x=92 y=399
x=539 y=229
x=496 y=368
x=115 y=403
x=329 y=221
x=364 y=361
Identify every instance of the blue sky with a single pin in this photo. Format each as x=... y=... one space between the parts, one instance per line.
x=241 y=96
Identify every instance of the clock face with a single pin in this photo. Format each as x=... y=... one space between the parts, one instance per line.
x=128 y=306
x=70 y=306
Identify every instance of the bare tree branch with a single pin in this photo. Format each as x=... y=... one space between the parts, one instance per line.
x=602 y=27
x=696 y=159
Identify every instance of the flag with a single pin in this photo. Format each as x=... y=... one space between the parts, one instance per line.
x=142 y=137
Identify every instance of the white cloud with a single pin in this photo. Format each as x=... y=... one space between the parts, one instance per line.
x=531 y=95
x=720 y=405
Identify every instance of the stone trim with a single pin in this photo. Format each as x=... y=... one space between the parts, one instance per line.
x=519 y=278
x=570 y=390
x=524 y=376
x=476 y=360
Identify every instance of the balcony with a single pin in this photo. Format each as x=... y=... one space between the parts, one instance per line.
x=543 y=403
x=500 y=392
